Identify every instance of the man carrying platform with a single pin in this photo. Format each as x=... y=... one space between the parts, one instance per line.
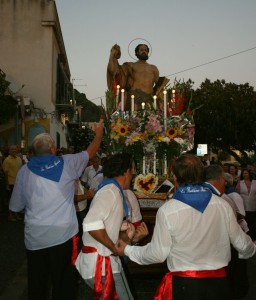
x=193 y=231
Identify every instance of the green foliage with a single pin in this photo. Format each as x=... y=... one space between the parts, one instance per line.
x=226 y=116
x=90 y=112
x=110 y=103
x=80 y=137
x=182 y=89
x=7 y=103
x=4 y=84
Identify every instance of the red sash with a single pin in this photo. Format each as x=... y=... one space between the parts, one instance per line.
x=164 y=290
x=136 y=224
x=109 y=288
x=75 y=240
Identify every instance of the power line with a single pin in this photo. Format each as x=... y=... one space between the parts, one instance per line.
x=212 y=61
x=201 y=65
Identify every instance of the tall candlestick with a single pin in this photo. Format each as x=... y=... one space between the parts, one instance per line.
x=144 y=165
x=165 y=111
x=132 y=103
x=154 y=163
x=122 y=99
x=154 y=102
x=117 y=94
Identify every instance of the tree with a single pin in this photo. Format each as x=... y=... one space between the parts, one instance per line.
x=225 y=118
x=7 y=103
x=90 y=112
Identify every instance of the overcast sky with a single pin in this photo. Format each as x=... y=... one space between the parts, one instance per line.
x=182 y=33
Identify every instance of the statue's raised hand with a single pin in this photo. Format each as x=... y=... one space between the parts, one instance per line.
x=116 y=51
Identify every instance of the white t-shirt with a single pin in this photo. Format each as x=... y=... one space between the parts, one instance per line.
x=133 y=206
x=106 y=212
x=89 y=173
x=79 y=190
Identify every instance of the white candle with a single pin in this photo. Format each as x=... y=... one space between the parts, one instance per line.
x=132 y=103
x=143 y=105
x=143 y=165
x=165 y=165
x=122 y=99
x=154 y=102
x=173 y=96
x=117 y=94
x=165 y=110
x=154 y=163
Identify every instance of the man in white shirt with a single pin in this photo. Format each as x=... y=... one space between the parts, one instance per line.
x=193 y=232
x=101 y=231
x=91 y=171
x=45 y=189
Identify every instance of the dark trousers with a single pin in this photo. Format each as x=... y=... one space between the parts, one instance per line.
x=185 y=288
x=250 y=218
x=50 y=273
x=237 y=275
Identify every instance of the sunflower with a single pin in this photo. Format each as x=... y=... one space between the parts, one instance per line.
x=171 y=133
x=122 y=130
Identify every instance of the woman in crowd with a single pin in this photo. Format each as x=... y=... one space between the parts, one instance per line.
x=246 y=187
x=233 y=172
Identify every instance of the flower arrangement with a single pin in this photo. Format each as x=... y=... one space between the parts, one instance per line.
x=144 y=133
x=150 y=132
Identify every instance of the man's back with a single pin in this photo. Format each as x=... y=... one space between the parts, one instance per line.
x=191 y=240
x=49 y=208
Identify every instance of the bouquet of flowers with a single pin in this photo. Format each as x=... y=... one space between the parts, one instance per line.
x=144 y=132
x=152 y=133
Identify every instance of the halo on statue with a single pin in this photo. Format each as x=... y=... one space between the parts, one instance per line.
x=138 y=41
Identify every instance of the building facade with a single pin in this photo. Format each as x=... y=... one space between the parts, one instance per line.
x=34 y=59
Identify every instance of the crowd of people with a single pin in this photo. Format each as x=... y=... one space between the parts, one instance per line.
x=83 y=221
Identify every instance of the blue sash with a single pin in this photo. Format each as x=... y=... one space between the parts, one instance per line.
x=230 y=190
x=208 y=186
x=47 y=166
x=107 y=181
x=193 y=195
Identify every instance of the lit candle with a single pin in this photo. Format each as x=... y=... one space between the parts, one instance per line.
x=122 y=99
x=165 y=110
x=154 y=163
x=173 y=97
x=154 y=102
x=117 y=94
x=132 y=103
x=143 y=105
x=70 y=101
x=143 y=165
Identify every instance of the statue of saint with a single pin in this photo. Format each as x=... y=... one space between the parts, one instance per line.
x=137 y=78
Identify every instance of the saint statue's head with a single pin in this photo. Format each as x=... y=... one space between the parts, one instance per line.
x=142 y=52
